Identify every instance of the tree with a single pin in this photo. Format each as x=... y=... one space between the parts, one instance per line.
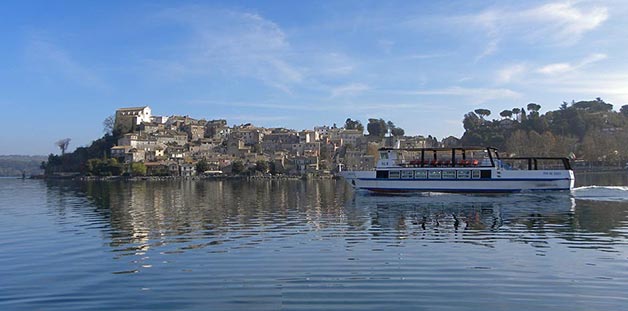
x=63 y=144
x=262 y=166
x=202 y=166
x=237 y=167
x=109 y=124
x=138 y=169
x=506 y=114
x=377 y=128
x=483 y=112
x=354 y=125
x=397 y=132
x=624 y=110
x=534 y=110
x=534 y=107
x=390 y=126
x=516 y=112
x=471 y=121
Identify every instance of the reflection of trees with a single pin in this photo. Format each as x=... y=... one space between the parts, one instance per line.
x=145 y=214
x=184 y=214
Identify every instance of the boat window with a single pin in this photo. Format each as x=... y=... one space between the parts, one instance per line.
x=464 y=174
x=516 y=164
x=485 y=174
x=381 y=174
x=476 y=174
x=384 y=155
x=449 y=174
x=434 y=175
x=420 y=174
x=407 y=174
x=393 y=174
x=550 y=164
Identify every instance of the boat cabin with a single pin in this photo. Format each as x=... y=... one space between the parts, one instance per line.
x=457 y=163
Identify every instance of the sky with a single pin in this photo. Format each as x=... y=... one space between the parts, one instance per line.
x=67 y=65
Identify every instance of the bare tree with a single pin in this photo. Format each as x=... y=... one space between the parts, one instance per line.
x=63 y=144
x=108 y=124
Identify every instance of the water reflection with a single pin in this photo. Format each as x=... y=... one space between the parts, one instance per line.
x=177 y=216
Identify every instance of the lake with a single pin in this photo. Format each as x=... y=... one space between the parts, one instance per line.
x=309 y=245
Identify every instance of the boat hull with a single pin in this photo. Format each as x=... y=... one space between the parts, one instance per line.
x=500 y=182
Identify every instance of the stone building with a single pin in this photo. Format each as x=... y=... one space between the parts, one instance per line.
x=127 y=119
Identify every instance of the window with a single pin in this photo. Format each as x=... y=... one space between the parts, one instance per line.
x=407 y=174
x=434 y=175
x=464 y=174
x=420 y=174
x=476 y=174
x=485 y=174
x=449 y=174
x=394 y=174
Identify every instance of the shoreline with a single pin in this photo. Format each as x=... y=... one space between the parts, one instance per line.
x=172 y=178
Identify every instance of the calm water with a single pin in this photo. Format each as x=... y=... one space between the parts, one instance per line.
x=309 y=246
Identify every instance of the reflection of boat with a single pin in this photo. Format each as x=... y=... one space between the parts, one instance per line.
x=466 y=211
x=461 y=170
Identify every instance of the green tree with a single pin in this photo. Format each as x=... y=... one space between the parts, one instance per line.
x=354 y=125
x=534 y=107
x=202 y=166
x=482 y=112
x=506 y=114
x=262 y=166
x=397 y=132
x=138 y=169
x=471 y=121
x=624 y=110
x=377 y=128
x=237 y=167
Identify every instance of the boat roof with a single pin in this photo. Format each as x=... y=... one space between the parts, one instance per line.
x=440 y=149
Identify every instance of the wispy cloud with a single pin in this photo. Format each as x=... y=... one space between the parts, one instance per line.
x=610 y=86
x=351 y=89
x=508 y=73
x=557 y=23
x=564 y=67
x=472 y=95
x=232 y=43
x=48 y=57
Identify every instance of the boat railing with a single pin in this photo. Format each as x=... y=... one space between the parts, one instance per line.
x=535 y=163
x=446 y=163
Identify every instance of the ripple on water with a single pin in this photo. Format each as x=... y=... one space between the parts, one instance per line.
x=307 y=245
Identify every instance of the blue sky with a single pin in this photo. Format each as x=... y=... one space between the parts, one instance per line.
x=67 y=65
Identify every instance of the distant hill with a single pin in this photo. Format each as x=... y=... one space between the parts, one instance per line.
x=14 y=165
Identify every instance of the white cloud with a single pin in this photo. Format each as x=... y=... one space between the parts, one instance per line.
x=231 y=43
x=473 y=95
x=561 y=68
x=611 y=87
x=509 y=73
x=560 y=23
x=563 y=20
x=557 y=68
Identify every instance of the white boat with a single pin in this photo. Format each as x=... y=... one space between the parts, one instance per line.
x=470 y=170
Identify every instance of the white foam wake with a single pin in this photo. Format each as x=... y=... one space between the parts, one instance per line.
x=601 y=193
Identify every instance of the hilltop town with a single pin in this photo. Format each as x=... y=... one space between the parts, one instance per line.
x=154 y=145
x=139 y=143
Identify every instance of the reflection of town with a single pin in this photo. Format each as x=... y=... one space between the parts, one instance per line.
x=188 y=214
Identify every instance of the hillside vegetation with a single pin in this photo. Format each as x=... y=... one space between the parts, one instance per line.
x=587 y=130
x=14 y=165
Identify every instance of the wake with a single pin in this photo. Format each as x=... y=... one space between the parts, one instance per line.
x=601 y=193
